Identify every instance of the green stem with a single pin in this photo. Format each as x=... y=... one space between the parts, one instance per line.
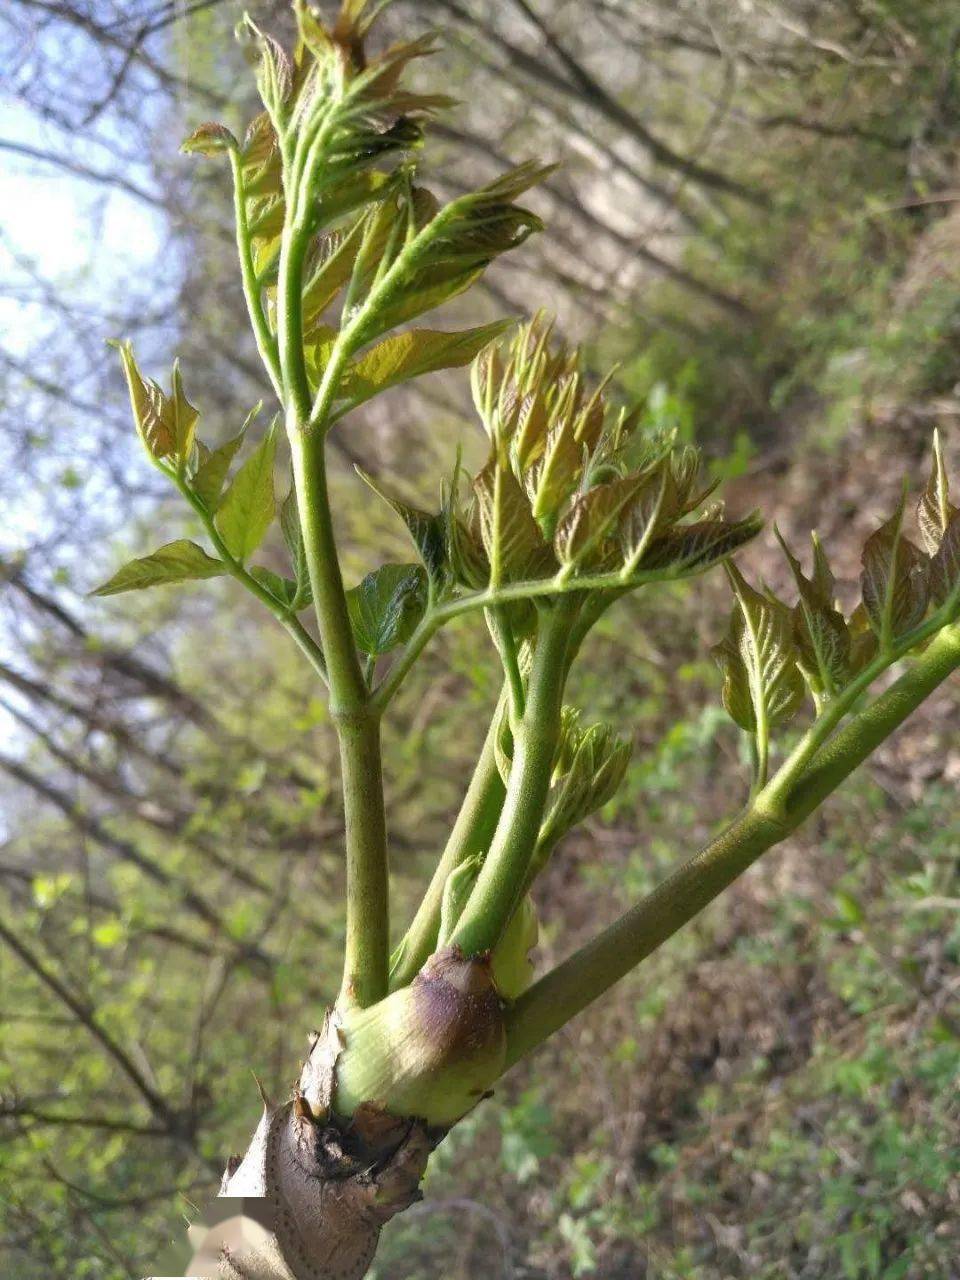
x=472 y=833
x=839 y=706
x=505 y=641
x=293 y=247
x=266 y=343
x=561 y=994
x=608 y=588
x=358 y=727
x=497 y=892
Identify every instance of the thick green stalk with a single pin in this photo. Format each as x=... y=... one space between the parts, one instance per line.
x=357 y=723
x=472 y=833
x=497 y=892
x=589 y=972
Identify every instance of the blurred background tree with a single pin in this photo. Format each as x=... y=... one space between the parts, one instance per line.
x=756 y=214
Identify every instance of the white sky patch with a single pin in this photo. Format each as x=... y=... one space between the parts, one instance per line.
x=67 y=226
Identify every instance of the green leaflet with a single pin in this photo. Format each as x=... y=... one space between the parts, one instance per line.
x=213 y=465
x=893 y=581
x=511 y=537
x=762 y=683
x=179 y=561
x=819 y=629
x=413 y=353
x=469 y=233
x=328 y=269
x=688 y=548
x=584 y=535
x=386 y=607
x=647 y=514
x=249 y=505
x=426 y=530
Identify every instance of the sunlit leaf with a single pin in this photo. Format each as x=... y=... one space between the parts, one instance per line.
x=893 y=581
x=511 y=537
x=646 y=514
x=584 y=534
x=408 y=355
x=183 y=417
x=147 y=402
x=554 y=475
x=249 y=505
x=180 y=561
x=210 y=476
x=762 y=683
x=274 y=69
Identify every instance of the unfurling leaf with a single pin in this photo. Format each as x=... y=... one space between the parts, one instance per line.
x=386 y=607
x=819 y=629
x=762 y=683
x=555 y=470
x=213 y=465
x=588 y=770
x=180 y=561
x=944 y=571
x=210 y=140
x=249 y=505
x=470 y=232
x=426 y=530
x=893 y=581
x=646 y=515
x=409 y=355
x=165 y=424
x=935 y=511
x=584 y=535
x=511 y=537
x=184 y=417
x=690 y=548
x=464 y=550
x=274 y=68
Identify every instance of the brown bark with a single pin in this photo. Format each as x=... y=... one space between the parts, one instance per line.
x=312 y=1191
